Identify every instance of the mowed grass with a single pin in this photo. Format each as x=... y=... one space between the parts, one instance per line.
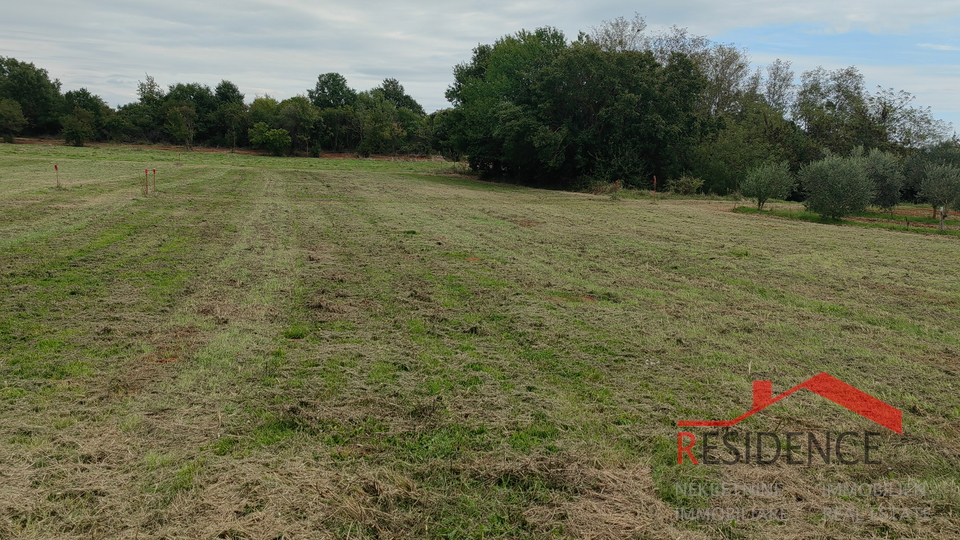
x=268 y=348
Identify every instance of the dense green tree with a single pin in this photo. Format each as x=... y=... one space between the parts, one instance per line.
x=341 y=128
x=491 y=90
x=275 y=140
x=146 y=116
x=85 y=100
x=836 y=186
x=757 y=134
x=39 y=97
x=230 y=118
x=298 y=116
x=227 y=92
x=393 y=91
x=534 y=107
x=101 y=115
x=115 y=126
x=440 y=125
x=332 y=92
x=11 y=119
x=264 y=109
x=78 y=126
x=181 y=122
x=201 y=122
x=226 y=123
x=381 y=129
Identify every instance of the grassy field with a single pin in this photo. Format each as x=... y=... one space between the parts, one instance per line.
x=275 y=348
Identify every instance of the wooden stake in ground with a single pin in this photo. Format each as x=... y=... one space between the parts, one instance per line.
x=654 y=189
x=56 y=168
x=146 y=182
x=154 y=180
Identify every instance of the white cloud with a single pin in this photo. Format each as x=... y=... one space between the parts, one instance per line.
x=710 y=17
x=938 y=47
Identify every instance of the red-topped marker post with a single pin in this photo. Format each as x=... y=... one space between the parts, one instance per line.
x=154 y=180
x=146 y=182
x=57 y=169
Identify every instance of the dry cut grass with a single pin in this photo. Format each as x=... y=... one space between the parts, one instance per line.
x=362 y=351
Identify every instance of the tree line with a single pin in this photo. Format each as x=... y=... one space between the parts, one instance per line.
x=617 y=104
x=620 y=103
x=330 y=116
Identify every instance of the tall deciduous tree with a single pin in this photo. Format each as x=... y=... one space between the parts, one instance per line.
x=201 y=99
x=11 y=119
x=180 y=124
x=264 y=109
x=227 y=92
x=101 y=119
x=39 y=97
x=147 y=115
x=831 y=107
x=620 y=34
x=332 y=92
x=778 y=88
x=298 y=116
x=535 y=107
x=899 y=124
x=393 y=91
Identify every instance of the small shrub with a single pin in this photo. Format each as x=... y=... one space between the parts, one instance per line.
x=768 y=181
x=685 y=185
x=836 y=186
x=275 y=140
x=602 y=187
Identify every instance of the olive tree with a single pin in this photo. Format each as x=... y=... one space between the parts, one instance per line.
x=836 y=186
x=768 y=181
x=941 y=188
x=884 y=170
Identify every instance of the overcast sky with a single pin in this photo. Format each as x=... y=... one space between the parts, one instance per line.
x=281 y=46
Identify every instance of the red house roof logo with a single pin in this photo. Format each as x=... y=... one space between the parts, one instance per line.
x=826 y=386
